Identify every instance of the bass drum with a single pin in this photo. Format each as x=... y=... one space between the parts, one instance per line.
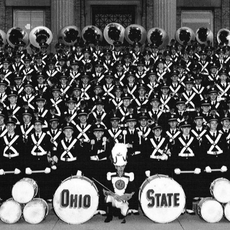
x=10 y=211
x=227 y=211
x=76 y=200
x=220 y=190
x=162 y=199
x=35 y=211
x=24 y=190
x=210 y=210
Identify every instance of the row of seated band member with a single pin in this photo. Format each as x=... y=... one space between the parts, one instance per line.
x=49 y=155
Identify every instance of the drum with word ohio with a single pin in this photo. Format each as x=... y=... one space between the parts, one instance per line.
x=35 y=211
x=210 y=210
x=161 y=198
x=24 y=190
x=220 y=190
x=10 y=211
x=76 y=200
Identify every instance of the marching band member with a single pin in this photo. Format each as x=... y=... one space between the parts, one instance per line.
x=215 y=155
x=36 y=157
x=159 y=152
x=11 y=158
x=3 y=92
x=186 y=156
x=121 y=191
x=56 y=102
x=3 y=129
x=199 y=129
x=115 y=131
x=100 y=149
x=83 y=127
x=172 y=131
x=14 y=106
x=26 y=126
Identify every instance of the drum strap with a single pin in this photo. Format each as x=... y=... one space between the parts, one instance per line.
x=37 y=145
x=26 y=132
x=189 y=99
x=67 y=155
x=4 y=132
x=55 y=104
x=186 y=148
x=10 y=147
x=156 y=148
x=172 y=137
x=214 y=145
x=83 y=132
x=115 y=136
x=199 y=136
x=3 y=98
x=53 y=139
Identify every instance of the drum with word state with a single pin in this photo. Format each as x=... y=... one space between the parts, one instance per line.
x=24 y=190
x=10 y=211
x=76 y=200
x=220 y=190
x=162 y=199
x=35 y=211
x=227 y=211
x=210 y=210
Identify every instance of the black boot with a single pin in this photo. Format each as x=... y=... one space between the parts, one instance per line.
x=109 y=213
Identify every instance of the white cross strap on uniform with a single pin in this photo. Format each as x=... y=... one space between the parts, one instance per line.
x=26 y=132
x=186 y=151
x=115 y=135
x=198 y=135
x=157 y=148
x=83 y=132
x=10 y=147
x=4 y=132
x=67 y=155
x=214 y=145
x=172 y=136
x=37 y=145
x=54 y=138
x=55 y=104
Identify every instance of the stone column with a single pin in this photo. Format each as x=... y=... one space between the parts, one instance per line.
x=165 y=16
x=62 y=14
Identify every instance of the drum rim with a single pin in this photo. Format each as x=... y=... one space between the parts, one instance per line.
x=67 y=179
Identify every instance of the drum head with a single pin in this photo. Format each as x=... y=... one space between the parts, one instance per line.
x=24 y=190
x=35 y=211
x=220 y=189
x=10 y=211
x=76 y=200
x=162 y=199
x=210 y=210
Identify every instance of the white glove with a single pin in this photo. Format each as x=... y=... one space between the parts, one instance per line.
x=197 y=171
x=208 y=169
